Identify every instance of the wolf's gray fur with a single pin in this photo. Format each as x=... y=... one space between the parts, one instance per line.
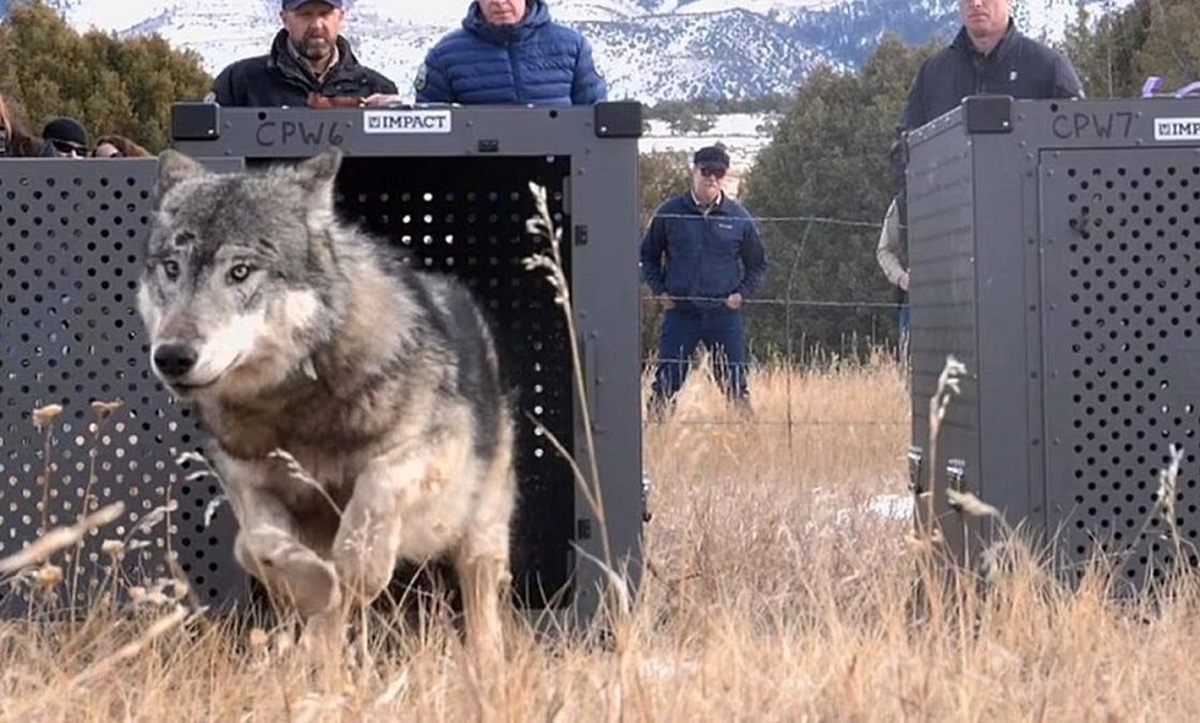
x=289 y=331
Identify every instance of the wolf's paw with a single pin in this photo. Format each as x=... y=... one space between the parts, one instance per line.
x=285 y=564
x=324 y=635
x=312 y=581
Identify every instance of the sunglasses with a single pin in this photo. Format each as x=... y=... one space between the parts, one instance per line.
x=712 y=172
x=71 y=149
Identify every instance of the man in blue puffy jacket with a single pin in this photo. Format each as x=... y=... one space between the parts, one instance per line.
x=703 y=257
x=509 y=52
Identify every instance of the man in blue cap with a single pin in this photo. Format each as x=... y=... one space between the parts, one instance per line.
x=703 y=257
x=309 y=64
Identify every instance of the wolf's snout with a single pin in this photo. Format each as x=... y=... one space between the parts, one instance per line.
x=175 y=360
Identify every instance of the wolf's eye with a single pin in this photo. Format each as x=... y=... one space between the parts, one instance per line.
x=171 y=269
x=239 y=273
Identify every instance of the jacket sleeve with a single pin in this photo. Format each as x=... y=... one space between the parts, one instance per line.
x=754 y=260
x=910 y=115
x=654 y=244
x=385 y=85
x=588 y=86
x=887 y=251
x=222 y=89
x=432 y=84
x=1066 y=80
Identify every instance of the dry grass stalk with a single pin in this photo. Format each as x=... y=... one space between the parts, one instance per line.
x=542 y=224
x=131 y=649
x=784 y=597
x=60 y=538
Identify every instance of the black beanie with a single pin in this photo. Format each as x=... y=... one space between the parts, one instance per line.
x=66 y=129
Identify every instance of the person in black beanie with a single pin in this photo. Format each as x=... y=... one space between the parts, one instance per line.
x=65 y=138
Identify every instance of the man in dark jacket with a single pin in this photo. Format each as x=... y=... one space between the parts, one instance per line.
x=703 y=257
x=509 y=52
x=309 y=61
x=988 y=56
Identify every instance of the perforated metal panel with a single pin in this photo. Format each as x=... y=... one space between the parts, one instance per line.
x=1084 y=226
x=1121 y=277
x=466 y=216
x=70 y=240
x=71 y=234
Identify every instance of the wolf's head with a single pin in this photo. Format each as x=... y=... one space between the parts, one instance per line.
x=239 y=271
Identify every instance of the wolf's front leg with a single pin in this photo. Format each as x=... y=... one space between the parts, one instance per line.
x=268 y=543
x=368 y=538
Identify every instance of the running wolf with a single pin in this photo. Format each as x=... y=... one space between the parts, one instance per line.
x=354 y=405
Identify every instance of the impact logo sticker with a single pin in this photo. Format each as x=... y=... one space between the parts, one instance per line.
x=1177 y=129
x=406 y=121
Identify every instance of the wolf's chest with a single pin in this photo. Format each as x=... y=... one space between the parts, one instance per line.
x=307 y=481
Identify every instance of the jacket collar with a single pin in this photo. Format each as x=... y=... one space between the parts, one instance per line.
x=714 y=206
x=536 y=15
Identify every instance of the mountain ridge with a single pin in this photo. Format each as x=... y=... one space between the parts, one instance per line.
x=650 y=50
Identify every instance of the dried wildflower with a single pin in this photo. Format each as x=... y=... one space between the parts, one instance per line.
x=258 y=639
x=44 y=415
x=48 y=576
x=103 y=410
x=1168 y=483
x=113 y=548
x=969 y=503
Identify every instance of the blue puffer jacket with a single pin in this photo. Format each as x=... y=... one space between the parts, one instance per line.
x=536 y=62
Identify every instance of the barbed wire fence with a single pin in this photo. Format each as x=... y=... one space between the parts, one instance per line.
x=775 y=321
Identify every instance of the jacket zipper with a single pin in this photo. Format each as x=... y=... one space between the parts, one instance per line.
x=516 y=70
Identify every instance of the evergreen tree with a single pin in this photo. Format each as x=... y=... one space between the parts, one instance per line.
x=828 y=159
x=1116 y=52
x=110 y=85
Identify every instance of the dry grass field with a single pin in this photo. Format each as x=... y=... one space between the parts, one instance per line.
x=778 y=591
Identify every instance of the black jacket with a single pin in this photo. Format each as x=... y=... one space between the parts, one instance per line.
x=1019 y=67
x=279 y=79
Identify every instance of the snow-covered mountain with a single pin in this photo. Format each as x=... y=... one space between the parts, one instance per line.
x=647 y=49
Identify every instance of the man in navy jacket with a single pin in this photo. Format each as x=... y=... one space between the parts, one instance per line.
x=509 y=52
x=703 y=257
x=988 y=56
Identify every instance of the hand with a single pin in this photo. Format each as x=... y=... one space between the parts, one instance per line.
x=734 y=301
x=379 y=99
x=902 y=282
x=666 y=301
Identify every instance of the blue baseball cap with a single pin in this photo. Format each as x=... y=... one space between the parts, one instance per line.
x=295 y=4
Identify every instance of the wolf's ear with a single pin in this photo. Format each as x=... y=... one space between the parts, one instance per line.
x=174 y=167
x=317 y=174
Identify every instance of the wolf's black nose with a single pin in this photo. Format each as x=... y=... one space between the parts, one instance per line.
x=174 y=360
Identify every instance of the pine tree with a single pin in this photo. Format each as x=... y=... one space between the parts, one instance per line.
x=828 y=159
x=110 y=85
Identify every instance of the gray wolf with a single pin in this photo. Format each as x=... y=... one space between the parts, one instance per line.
x=355 y=405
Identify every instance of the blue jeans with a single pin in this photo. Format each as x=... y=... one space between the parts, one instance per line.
x=723 y=331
